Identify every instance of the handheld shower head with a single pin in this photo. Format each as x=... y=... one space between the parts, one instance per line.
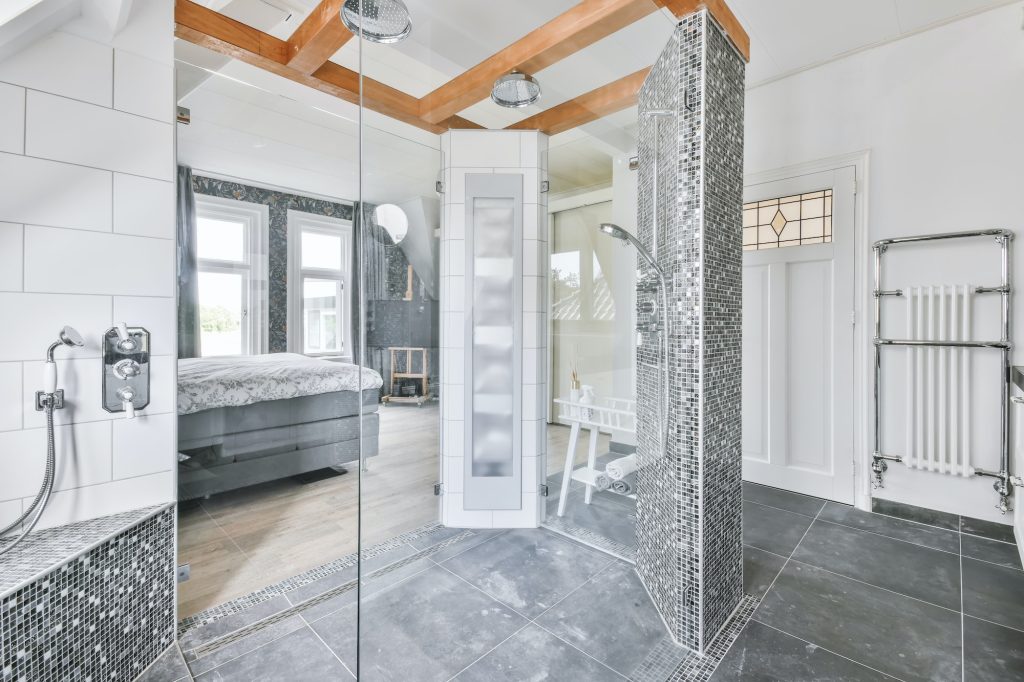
x=68 y=336
x=613 y=230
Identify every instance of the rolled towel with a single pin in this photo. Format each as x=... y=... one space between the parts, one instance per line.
x=619 y=468
x=602 y=481
x=625 y=486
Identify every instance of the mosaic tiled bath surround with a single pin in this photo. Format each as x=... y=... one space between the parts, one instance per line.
x=689 y=551
x=104 y=614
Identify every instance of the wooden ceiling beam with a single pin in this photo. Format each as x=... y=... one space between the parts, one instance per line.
x=586 y=108
x=722 y=14
x=570 y=32
x=318 y=37
x=219 y=33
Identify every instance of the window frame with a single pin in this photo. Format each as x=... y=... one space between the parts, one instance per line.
x=254 y=267
x=299 y=222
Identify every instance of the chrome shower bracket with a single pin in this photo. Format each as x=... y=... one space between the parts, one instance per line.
x=57 y=396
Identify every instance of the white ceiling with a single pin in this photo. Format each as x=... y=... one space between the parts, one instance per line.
x=450 y=36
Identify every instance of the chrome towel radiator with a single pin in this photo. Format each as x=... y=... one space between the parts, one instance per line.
x=879 y=465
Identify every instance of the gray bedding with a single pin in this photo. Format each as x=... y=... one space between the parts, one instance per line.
x=236 y=446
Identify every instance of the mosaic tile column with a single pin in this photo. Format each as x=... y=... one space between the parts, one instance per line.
x=689 y=549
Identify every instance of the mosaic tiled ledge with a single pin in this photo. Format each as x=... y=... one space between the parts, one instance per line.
x=45 y=550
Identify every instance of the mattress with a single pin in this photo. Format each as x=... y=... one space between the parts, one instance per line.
x=237 y=381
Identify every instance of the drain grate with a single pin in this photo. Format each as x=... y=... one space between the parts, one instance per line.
x=230 y=638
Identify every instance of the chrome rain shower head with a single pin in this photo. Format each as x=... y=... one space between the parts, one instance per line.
x=613 y=230
x=515 y=90
x=68 y=336
x=381 y=21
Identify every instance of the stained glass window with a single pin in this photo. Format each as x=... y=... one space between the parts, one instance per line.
x=788 y=221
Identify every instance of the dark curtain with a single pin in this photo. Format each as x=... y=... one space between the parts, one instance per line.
x=188 y=275
x=369 y=272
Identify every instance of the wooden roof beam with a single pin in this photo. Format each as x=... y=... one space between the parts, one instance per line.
x=318 y=37
x=586 y=108
x=566 y=34
x=721 y=13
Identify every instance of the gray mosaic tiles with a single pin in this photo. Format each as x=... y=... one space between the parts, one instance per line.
x=105 y=614
x=689 y=551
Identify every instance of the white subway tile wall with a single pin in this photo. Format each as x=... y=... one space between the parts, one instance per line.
x=475 y=151
x=87 y=239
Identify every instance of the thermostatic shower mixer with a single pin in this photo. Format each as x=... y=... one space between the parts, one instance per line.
x=125 y=369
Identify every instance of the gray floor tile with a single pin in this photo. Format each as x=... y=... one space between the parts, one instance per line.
x=771 y=529
x=170 y=667
x=222 y=626
x=994 y=593
x=759 y=570
x=243 y=646
x=782 y=499
x=992 y=652
x=762 y=653
x=900 y=529
x=611 y=618
x=987 y=529
x=427 y=628
x=528 y=570
x=902 y=567
x=898 y=635
x=297 y=656
x=371 y=584
x=536 y=655
x=477 y=538
x=349 y=573
x=992 y=551
x=609 y=515
x=430 y=539
x=909 y=512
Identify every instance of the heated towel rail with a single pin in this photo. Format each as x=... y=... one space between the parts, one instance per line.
x=1004 y=238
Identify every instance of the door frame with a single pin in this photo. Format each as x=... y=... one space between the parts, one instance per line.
x=861 y=306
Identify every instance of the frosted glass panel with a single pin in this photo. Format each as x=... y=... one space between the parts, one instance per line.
x=493 y=397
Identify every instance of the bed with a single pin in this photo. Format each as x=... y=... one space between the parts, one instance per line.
x=244 y=420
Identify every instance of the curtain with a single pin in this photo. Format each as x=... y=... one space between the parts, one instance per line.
x=188 y=275
x=369 y=273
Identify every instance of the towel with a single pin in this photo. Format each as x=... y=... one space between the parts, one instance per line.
x=619 y=468
x=625 y=486
x=602 y=481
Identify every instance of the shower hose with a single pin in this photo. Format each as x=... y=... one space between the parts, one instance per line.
x=35 y=510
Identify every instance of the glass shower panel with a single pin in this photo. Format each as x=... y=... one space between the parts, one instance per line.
x=493 y=332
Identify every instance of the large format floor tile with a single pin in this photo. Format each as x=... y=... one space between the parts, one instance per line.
x=782 y=499
x=909 y=569
x=528 y=570
x=428 y=627
x=889 y=526
x=992 y=652
x=170 y=667
x=930 y=517
x=759 y=570
x=763 y=653
x=992 y=551
x=772 y=529
x=535 y=654
x=297 y=656
x=994 y=593
x=610 y=618
x=222 y=626
x=898 y=635
x=987 y=529
x=609 y=515
x=245 y=645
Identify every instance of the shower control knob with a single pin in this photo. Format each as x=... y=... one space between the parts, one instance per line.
x=127 y=396
x=125 y=342
x=125 y=369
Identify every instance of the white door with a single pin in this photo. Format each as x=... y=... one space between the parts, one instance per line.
x=798 y=302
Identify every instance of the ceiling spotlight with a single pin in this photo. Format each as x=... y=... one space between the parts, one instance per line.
x=515 y=90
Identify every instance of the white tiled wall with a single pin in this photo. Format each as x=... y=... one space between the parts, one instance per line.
x=485 y=151
x=87 y=239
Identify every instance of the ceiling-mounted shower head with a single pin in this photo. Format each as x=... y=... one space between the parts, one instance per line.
x=613 y=230
x=380 y=21
x=515 y=90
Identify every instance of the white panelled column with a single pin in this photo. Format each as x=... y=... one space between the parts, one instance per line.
x=494 y=282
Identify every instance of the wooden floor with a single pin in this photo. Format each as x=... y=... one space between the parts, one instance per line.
x=241 y=541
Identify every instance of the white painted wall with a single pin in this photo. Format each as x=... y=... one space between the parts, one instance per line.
x=87 y=239
x=940 y=114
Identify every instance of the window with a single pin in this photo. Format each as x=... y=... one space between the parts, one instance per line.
x=231 y=239
x=319 y=249
x=788 y=221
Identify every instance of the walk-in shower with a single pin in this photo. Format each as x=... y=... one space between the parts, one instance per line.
x=47 y=400
x=659 y=320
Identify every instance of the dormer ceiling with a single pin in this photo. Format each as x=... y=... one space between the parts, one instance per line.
x=319 y=53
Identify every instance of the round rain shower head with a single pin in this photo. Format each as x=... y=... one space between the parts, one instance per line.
x=381 y=21
x=515 y=90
